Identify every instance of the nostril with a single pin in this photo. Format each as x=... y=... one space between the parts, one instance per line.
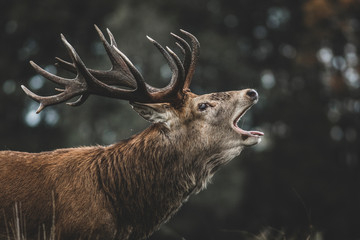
x=252 y=94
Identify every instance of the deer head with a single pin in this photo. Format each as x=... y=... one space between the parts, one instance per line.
x=175 y=106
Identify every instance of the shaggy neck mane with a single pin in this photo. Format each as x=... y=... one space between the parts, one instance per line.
x=147 y=170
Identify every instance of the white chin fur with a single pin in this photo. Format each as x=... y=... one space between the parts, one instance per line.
x=250 y=141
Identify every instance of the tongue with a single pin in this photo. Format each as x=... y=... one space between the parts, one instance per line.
x=250 y=133
x=256 y=133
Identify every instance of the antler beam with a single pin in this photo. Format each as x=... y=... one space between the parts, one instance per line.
x=123 y=80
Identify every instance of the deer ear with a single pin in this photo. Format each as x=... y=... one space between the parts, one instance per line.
x=152 y=112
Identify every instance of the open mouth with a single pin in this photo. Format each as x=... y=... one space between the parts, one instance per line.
x=245 y=134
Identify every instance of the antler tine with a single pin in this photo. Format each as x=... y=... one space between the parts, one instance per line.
x=141 y=85
x=55 y=79
x=186 y=50
x=72 y=53
x=112 y=39
x=181 y=48
x=176 y=68
x=110 y=78
x=52 y=100
x=65 y=65
x=195 y=53
x=119 y=74
x=100 y=88
x=71 y=89
x=177 y=86
x=50 y=76
x=116 y=59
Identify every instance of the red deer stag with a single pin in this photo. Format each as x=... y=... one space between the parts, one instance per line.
x=128 y=189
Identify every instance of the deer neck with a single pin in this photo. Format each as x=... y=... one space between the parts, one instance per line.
x=151 y=159
x=149 y=176
x=157 y=157
x=144 y=177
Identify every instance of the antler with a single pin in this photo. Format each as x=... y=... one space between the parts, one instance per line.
x=123 y=80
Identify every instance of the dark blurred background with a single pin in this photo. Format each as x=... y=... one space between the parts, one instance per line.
x=301 y=181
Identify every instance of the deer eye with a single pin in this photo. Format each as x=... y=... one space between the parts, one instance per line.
x=203 y=106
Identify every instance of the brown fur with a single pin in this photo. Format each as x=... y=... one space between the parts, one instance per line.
x=128 y=189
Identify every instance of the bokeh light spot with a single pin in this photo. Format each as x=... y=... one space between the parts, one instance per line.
x=336 y=133
x=260 y=32
x=32 y=119
x=9 y=87
x=36 y=82
x=165 y=72
x=352 y=78
x=325 y=55
x=288 y=51
x=268 y=79
x=51 y=117
x=339 y=63
x=277 y=17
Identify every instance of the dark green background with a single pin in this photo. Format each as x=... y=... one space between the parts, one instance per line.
x=301 y=56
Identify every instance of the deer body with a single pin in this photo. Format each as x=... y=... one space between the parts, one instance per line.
x=128 y=189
